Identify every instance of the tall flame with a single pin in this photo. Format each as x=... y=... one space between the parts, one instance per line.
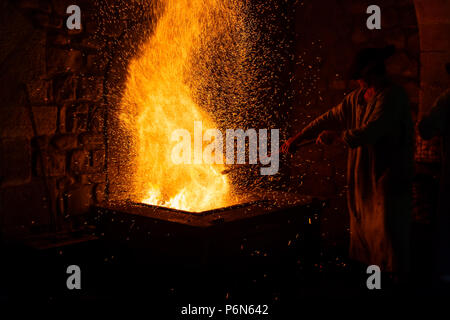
x=159 y=98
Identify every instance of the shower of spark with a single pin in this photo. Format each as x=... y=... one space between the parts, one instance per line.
x=173 y=62
x=165 y=91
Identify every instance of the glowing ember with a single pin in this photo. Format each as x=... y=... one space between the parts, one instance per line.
x=160 y=96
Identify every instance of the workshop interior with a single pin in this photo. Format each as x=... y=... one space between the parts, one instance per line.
x=121 y=180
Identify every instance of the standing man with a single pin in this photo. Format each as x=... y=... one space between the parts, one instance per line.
x=437 y=123
x=375 y=123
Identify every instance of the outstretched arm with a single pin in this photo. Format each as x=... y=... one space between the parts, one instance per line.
x=333 y=119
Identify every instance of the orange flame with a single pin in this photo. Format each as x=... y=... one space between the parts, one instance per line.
x=159 y=99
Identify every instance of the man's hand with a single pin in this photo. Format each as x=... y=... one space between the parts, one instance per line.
x=287 y=145
x=328 y=137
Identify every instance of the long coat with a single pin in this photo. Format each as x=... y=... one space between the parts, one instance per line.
x=437 y=123
x=379 y=135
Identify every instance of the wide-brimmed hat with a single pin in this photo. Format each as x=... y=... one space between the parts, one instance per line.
x=370 y=60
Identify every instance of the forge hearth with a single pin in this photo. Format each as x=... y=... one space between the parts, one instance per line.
x=277 y=225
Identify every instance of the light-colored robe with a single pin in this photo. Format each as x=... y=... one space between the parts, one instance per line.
x=379 y=173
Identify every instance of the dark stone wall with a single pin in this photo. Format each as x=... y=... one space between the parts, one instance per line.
x=52 y=146
x=52 y=149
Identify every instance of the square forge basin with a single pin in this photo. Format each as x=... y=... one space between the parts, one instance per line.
x=266 y=229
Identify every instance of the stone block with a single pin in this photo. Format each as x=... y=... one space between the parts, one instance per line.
x=39 y=91
x=74 y=117
x=45 y=118
x=65 y=182
x=65 y=87
x=98 y=120
x=98 y=160
x=100 y=193
x=40 y=143
x=96 y=64
x=92 y=141
x=93 y=178
x=50 y=163
x=65 y=141
x=90 y=88
x=84 y=161
x=62 y=60
x=79 y=161
x=62 y=119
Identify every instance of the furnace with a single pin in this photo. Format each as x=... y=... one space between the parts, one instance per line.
x=264 y=229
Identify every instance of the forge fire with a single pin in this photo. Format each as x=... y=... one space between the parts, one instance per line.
x=175 y=78
x=195 y=154
x=160 y=97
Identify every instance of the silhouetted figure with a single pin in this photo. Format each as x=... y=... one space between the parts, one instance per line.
x=437 y=123
x=375 y=122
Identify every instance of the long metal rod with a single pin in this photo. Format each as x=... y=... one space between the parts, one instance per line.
x=304 y=143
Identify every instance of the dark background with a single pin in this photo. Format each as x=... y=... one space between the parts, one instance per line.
x=53 y=148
